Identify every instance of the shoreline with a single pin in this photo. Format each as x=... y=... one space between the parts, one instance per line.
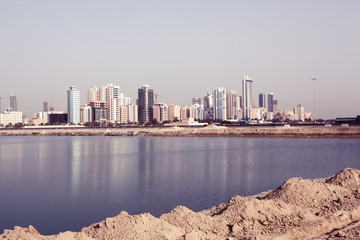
x=209 y=131
x=326 y=208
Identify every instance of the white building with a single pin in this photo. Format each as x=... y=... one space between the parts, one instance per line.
x=92 y=95
x=10 y=117
x=73 y=105
x=43 y=115
x=112 y=96
x=219 y=98
x=197 y=111
x=85 y=114
x=299 y=111
x=132 y=113
x=247 y=96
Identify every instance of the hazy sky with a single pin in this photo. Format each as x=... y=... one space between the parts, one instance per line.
x=182 y=49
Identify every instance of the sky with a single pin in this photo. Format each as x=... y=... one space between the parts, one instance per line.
x=182 y=49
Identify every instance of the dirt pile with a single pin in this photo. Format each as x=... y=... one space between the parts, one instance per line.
x=298 y=209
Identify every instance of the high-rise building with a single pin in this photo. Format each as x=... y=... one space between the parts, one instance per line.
x=196 y=100
x=45 y=106
x=73 y=105
x=266 y=100
x=174 y=112
x=197 y=111
x=247 y=96
x=145 y=103
x=275 y=106
x=13 y=103
x=132 y=113
x=299 y=111
x=92 y=95
x=112 y=96
x=160 y=112
x=232 y=105
x=219 y=97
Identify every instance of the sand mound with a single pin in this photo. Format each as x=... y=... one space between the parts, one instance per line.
x=298 y=209
x=348 y=178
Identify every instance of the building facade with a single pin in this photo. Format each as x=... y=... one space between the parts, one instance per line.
x=247 y=96
x=145 y=103
x=73 y=105
x=10 y=117
x=219 y=104
x=13 y=103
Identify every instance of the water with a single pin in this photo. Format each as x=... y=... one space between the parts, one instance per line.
x=66 y=183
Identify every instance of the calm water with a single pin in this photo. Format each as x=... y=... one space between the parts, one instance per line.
x=66 y=183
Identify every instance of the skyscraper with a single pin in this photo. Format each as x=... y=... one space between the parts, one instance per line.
x=45 y=106
x=112 y=96
x=219 y=97
x=73 y=105
x=145 y=103
x=247 y=96
x=13 y=103
x=92 y=95
x=266 y=100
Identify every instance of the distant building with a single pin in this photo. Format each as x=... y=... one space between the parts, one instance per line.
x=247 y=96
x=299 y=112
x=99 y=111
x=184 y=113
x=58 y=118
x=160 y=112
x=232 y=105
x=112 y=96
x=197 y=111
x=208 y=106
x=275 y=106
x=266 y=101
x=13 y=103
x=43 y=115
x=45 y=106
x=196 y=101
x=174 y=112
x=132 y=113
x=85 y=114
x=92 y=95
x=73 y=105
x=145 y=103
x=10 y=116
x=219 y=97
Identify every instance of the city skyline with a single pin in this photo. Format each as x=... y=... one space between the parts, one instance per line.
x=182 y=48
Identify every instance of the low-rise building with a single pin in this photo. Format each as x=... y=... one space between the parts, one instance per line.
x=9 y=116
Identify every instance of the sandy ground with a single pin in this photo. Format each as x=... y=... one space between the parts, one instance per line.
x=211 y=130
x=298 y=209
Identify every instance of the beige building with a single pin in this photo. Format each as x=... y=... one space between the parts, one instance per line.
x=174 y=112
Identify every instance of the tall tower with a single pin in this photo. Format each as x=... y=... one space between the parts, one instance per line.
x=13 y=103
x=73 y=105
x=145 y=103
x=92 y=95
x=247 y=96
x=220 y=109
x=45 y=106
x=112 y=96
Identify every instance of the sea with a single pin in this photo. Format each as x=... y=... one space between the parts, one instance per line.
x=61 y=183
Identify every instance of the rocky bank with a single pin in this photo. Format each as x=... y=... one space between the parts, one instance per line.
x=211 y=130
x=298 y=209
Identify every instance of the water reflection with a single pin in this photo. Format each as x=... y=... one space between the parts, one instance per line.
x=82 y=180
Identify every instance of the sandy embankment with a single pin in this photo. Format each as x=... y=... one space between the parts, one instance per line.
x=298 y=209
x=304 y=131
